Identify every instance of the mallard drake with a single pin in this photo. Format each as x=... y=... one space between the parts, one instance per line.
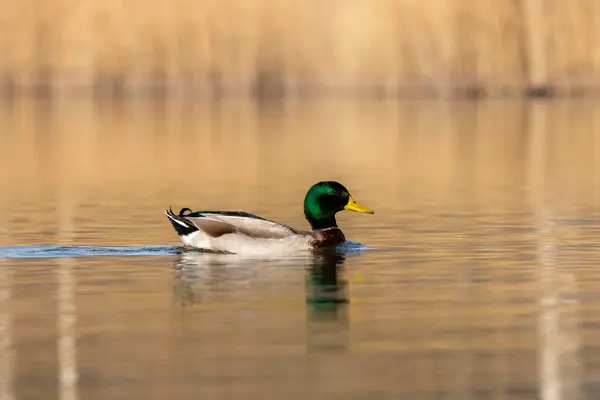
x=243 y=233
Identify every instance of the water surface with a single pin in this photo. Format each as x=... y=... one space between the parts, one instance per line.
x=475 y=279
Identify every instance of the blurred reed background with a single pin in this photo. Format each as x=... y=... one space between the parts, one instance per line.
x=290 y=47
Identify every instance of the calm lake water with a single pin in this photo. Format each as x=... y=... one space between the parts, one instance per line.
x=476 y=279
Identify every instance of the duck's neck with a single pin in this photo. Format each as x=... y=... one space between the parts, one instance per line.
x=322 y=223
x=330 y=236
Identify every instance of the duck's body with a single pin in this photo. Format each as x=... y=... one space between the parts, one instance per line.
x=243 y=233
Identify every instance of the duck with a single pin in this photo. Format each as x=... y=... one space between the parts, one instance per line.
x=240 y=232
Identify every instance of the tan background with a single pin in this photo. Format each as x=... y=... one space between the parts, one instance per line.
x=292 y=46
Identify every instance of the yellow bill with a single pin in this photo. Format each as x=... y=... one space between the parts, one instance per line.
x=354 y=206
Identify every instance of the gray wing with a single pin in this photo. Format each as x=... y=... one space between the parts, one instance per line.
x=217 y=225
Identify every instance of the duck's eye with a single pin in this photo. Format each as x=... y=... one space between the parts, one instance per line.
x=332 y=202
x=329 y=201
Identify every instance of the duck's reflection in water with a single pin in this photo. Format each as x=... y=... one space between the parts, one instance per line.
x=226 y=280
x=205 y=277
x=327 y=322
x=325 y=287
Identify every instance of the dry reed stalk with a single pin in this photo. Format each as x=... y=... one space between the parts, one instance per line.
x=275 y=47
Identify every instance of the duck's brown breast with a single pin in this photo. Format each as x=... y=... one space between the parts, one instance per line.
x=328 y=237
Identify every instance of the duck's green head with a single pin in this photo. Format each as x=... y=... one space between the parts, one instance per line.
x=324 y=199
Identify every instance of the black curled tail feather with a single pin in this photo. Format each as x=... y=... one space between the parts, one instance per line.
x=180 y=224
x=183 y=210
